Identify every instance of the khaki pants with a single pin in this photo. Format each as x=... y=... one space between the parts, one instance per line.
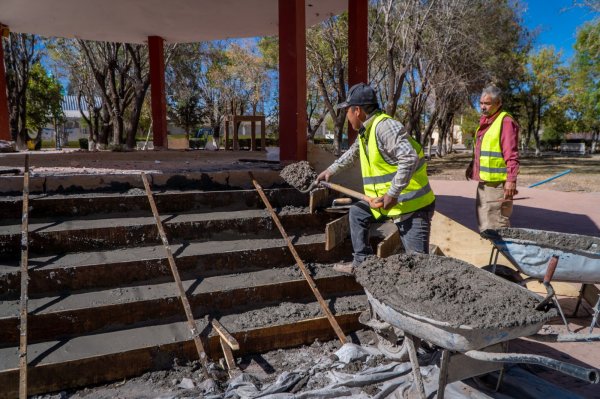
x=491 y=213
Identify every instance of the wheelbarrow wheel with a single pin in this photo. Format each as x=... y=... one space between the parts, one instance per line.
x=390 y=340
x=397 y=350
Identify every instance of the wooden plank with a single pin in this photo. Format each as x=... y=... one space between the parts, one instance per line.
x=92 y=370
x=71 y=322
x=184 y=300
x=319 y=198
x=303 y=269
x=225 y=335
x=232 y=369
x=24 y=284
x=336 y=232
x=390 y=245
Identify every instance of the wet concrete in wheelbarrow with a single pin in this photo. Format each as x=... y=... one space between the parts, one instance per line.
x=299 y=175
x=448 y=290
x=551 y=239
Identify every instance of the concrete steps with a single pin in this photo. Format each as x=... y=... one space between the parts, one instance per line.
x=101 y=291
x=115 y=355
x=122 y=230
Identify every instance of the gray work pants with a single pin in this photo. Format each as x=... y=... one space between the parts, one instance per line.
x=414 y=231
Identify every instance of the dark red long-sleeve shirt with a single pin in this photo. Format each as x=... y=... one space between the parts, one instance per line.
x=509 y=142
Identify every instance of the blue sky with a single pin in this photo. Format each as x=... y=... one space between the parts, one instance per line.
x=556 y=22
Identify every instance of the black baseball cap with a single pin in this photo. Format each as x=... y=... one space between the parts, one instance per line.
x=359 y=94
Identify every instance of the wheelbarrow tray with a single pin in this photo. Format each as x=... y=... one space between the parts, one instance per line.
x=446 y=335
x=531 y=256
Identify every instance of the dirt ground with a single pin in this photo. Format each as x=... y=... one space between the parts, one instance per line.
x=584 y=177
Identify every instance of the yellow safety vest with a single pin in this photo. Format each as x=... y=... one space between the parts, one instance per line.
x=377 y=175
x=492 y=167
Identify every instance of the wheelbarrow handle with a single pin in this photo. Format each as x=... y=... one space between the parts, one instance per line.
x=590 y=375
x=551 y=269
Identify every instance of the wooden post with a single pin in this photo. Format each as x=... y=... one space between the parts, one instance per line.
x=236 y=143
x=263 y=135
x=253 y=136
x=226 y=134
x=157 y=91
x=292 y=80
x=358 y=50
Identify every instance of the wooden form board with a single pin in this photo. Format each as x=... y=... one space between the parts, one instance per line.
x=336 y=232
x=390 y=245
x=460 y=242
x=318 y=199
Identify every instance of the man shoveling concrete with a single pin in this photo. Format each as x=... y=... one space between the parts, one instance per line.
x=394 y=174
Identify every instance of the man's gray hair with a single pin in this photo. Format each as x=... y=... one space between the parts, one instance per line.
x=494 y=92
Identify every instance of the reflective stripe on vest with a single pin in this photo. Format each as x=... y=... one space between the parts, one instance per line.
x=378 y=175
x=492 y=167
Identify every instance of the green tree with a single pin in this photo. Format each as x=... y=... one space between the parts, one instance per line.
x=542 y=92
x=585 y=79
x=44 y=98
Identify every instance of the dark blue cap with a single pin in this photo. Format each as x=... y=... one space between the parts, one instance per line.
x=359 y=94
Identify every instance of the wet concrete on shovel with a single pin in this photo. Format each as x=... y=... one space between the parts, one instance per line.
x=299 y=175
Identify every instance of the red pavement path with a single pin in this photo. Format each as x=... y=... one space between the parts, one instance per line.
x=567 y=212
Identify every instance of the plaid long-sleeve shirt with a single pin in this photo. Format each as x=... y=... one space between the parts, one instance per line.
x=394 y=147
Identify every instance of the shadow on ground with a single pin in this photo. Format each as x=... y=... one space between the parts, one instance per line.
x=462 y=210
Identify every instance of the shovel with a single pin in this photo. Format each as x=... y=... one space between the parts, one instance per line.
x=373 y=202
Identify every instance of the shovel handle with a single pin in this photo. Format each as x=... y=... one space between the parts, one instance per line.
x=351 y=193
x=551 y=269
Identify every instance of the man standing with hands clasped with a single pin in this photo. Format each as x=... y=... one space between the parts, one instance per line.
x=394 y=174
x=495 y=162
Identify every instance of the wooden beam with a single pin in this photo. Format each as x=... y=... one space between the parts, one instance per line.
x=303 y=269
x=182 y=295
x=232 y=368
x=24 y=284
x=225 y=335
x=336 y=232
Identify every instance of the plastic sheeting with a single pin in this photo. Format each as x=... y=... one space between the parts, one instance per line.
x=390 y=380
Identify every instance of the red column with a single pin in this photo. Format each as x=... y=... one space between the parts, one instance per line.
x=157 y=91
x=292 y=80
x=4 y=119
x=358 y=47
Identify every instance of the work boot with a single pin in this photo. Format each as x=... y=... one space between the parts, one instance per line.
x=344 y=267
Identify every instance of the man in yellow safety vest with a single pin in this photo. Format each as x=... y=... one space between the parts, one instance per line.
x=394 y=174
x=495 y=162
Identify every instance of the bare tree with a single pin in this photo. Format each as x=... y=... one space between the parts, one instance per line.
x=19 y=56
x=327 y=56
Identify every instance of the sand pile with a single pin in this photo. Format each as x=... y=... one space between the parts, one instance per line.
x=449 y=290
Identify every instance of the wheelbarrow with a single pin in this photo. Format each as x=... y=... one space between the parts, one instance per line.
x=466 y=350
x=549 y=256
